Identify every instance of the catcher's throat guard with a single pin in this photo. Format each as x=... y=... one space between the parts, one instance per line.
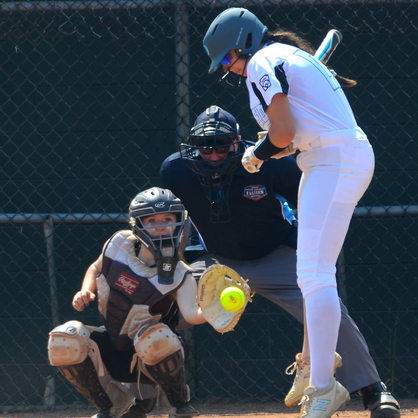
x=214 y=280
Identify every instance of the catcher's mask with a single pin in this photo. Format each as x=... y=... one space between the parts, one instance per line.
x=164 y=248
x=215 y=130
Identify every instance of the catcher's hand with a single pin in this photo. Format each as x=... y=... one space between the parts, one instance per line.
x=289 y=150
x=214 y=280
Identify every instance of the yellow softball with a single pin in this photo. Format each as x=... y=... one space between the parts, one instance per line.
x=232 y=299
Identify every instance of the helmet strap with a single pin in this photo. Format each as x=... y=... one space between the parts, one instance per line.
x=225 y=78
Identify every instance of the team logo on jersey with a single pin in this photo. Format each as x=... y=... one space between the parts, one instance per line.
x=127 y=283
x=265 y=82
x=255 y=192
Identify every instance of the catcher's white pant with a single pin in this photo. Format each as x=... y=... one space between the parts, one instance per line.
x=334 y=179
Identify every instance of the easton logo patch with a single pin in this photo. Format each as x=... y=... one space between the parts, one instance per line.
x=265 y=82
x=255 y=192
x=127 y=283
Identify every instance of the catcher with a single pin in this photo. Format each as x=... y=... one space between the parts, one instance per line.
x=142 y=287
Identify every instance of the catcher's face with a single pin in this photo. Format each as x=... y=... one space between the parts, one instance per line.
x=163 y=223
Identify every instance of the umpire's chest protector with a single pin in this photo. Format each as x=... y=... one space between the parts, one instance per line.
x=128 y=290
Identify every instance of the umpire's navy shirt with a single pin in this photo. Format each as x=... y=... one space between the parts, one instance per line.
x=258 y=223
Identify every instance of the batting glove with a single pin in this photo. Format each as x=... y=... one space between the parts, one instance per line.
x=250 y=162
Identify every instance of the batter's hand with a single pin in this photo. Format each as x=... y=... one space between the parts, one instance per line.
x=82 y=299
x=250 y=162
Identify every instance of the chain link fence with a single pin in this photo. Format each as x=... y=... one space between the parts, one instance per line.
x=95 y=94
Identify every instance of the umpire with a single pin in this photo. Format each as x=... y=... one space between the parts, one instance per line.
x=244 y=221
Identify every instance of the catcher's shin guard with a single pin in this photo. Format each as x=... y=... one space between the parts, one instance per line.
x=169 y=374
x=84 y=378
x=379 y=401
x=303 y=374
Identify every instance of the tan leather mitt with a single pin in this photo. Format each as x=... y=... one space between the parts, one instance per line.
x=214 y=280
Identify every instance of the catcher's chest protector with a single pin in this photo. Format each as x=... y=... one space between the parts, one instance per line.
x=126 y=281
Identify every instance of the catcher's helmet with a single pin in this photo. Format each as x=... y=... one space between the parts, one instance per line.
x=235 y=28
x=164 y=249
x=214 y=128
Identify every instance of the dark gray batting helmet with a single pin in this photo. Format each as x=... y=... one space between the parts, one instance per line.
x=235 y=28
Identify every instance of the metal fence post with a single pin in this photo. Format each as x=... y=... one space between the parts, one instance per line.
x=182 y=70
x=48 y=224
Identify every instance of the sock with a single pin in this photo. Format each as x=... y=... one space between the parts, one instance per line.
x=323 y=316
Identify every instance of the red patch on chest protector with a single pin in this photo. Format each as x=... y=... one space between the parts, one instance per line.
x=127 y=283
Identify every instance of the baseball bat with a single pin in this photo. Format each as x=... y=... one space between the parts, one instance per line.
x=328 y=45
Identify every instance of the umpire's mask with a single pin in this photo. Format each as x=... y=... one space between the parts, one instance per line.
x=214 y=131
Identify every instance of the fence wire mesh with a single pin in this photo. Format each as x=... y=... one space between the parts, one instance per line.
x=96 y=94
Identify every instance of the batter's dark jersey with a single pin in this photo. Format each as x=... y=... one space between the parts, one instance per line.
x=258 y=223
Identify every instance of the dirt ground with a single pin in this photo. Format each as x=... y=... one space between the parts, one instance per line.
x=231 y=409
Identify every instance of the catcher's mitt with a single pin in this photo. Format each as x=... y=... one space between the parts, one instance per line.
x=214 y=280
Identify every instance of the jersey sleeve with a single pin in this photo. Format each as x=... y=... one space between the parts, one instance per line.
x=267 y=78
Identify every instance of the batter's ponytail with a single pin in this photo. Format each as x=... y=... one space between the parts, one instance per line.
x=288 y=37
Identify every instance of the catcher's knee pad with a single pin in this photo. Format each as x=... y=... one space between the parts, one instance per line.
x=68 y=344
x=154 y=343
